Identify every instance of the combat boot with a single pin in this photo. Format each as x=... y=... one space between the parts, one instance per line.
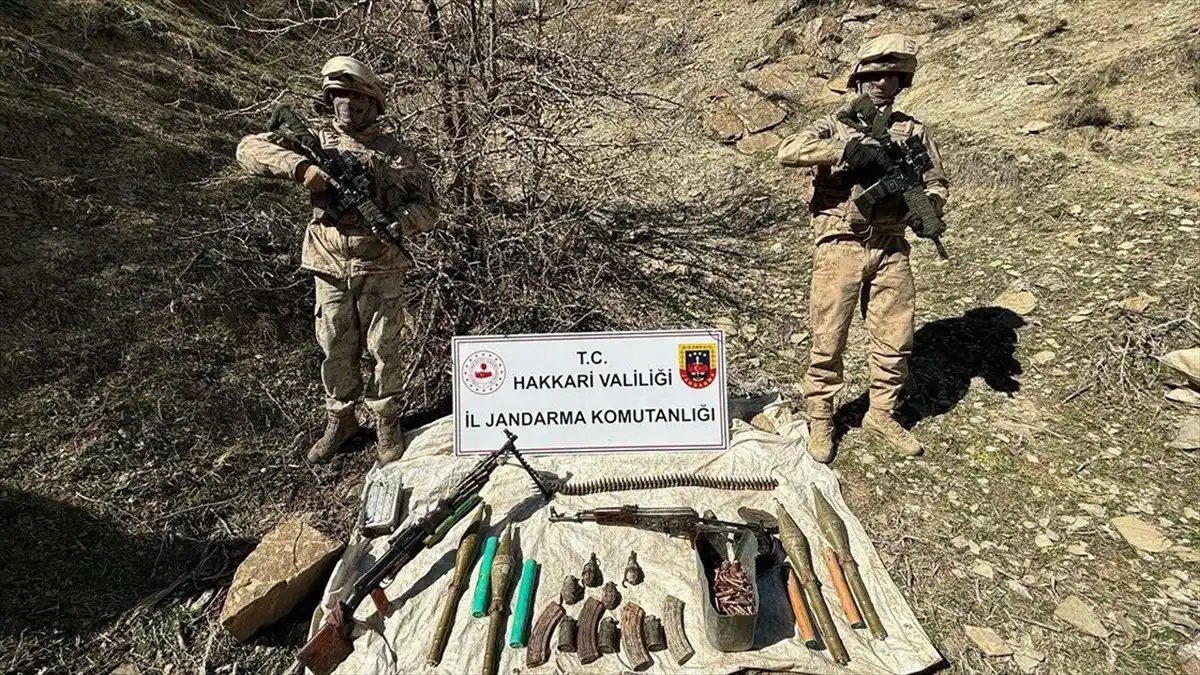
x=339 y=428
x=886 y=428
x=820 y=440
x=389 y=443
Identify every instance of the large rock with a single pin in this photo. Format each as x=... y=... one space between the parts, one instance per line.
x=724 y=124
x=1188 y=436
x=277 y=574
x=759 y=114
x=819 y=31
x=755 y=144
x=794 y=78
x=1186 y=362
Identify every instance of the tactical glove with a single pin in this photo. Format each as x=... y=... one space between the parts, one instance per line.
x=927 y=230
x=311 y=177
x=858 y=155
x=939 y=205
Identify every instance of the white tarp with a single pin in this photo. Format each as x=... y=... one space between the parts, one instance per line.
x=398 y=644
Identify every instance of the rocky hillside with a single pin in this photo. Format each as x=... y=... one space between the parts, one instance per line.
x=159 y=365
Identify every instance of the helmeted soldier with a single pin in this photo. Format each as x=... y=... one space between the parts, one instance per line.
x=358 y=275
x=861 y=260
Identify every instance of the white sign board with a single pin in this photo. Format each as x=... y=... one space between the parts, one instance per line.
x=591 y=392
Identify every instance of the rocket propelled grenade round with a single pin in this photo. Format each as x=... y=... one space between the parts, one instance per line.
x=834 y=529
x=795 y=544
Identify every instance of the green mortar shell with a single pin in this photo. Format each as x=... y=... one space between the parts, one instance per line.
x=517 y=634
x=480 y=601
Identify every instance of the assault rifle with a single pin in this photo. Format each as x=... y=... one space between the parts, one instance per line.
x=331 y=644
x=350 y=180
x=903 y=166
x=674 y=521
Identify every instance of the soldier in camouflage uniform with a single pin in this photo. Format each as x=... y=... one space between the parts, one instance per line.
x=358 y=277
x=860 y=260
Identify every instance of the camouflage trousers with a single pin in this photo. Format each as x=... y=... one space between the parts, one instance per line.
x=363 y=312
x=874 y=275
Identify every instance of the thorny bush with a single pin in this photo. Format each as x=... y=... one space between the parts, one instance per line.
x=550 y=224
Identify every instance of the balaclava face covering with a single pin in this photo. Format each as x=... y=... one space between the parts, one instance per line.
x=354 y=112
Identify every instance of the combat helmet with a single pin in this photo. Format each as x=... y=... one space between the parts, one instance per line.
x=350 y=74
x=890 y=53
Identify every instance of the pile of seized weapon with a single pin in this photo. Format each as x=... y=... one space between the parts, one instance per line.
x=332 y=644
x=728 y=584
x=729 y=588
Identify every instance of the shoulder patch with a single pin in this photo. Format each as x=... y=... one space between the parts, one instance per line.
x=903 y=123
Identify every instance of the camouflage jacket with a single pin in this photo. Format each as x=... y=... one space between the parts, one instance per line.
x=350 y=248
x=821 y=146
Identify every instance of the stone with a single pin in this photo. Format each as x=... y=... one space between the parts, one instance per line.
x=754 y=144
x=1188 y=436
x=278 y=573
x=1139 y=303
x=1075 y=612
x=861 y=14
x=1018 y=588
x=759 y=115
x=1141 y=534
x=984 y=570
x=725 y=124
x=1036 y=127
x=1026 y=656
x=1186 y=362
x=1185 y=396
x=1070 y=239
x=1016 y=299
x=797 y=78
x=987 y=641
x=1189 y=657
x=1043 y=357
x=716 y=94
x=818 y=31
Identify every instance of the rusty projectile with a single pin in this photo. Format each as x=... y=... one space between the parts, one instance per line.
x=795 y=544
x=834 y=529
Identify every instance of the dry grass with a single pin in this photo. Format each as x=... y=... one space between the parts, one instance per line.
x=1190 y=58
x=1124 y=365
x=157 y=345
x=156 y=339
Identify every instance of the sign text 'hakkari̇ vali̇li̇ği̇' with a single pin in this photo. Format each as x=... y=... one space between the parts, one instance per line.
x=587 y=392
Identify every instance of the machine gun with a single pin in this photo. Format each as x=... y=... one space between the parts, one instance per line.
x=331 y=644
x=674 y=521
x=903 y=166
x=349 y=179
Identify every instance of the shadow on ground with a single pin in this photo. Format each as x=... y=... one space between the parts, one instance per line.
x=947 y=355
x=66 y=570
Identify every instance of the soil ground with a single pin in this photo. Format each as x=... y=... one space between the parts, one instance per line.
x=160 y=373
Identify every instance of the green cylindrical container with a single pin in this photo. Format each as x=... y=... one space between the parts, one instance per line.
x=517 y=634
x=480 y=601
